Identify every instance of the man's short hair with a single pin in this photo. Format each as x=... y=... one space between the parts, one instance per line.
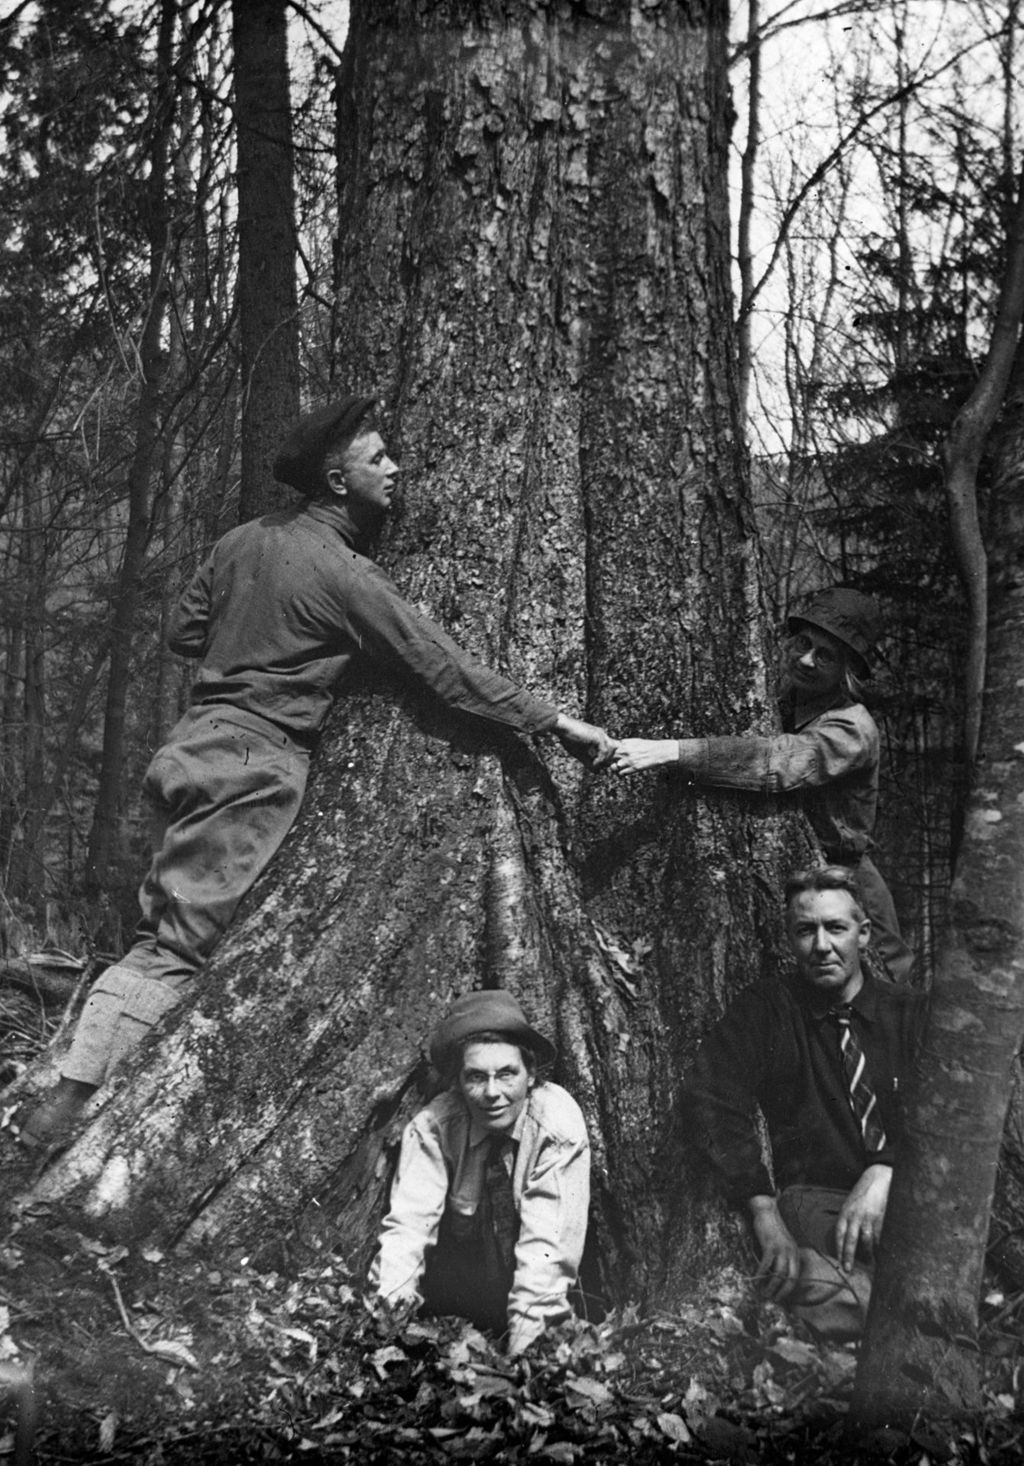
x=824 y=878
x=334 y=457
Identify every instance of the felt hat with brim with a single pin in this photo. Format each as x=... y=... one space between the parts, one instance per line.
x=490 y=1011
x=300 y=459
x=849 y=615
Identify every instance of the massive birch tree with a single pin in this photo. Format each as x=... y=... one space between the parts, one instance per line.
x=533 y=276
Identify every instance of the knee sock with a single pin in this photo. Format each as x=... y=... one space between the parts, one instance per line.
x=119 y=1012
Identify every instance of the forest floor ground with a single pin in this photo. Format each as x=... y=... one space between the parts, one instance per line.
x=138 y=1356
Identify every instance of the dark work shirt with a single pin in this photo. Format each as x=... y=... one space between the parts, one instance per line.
x=827 y=758
x=777 y=1048
x=284 y=603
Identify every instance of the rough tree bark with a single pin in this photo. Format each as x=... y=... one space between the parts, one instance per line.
x=268 y=313
x=1006 y=1238
x=920 y=1356
x=533 y=268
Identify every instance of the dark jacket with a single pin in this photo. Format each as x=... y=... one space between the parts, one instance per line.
x=283 y=605
x=777 y=1049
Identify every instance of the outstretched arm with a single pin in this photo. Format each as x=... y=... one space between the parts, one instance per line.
x=834 y=745
x=386 y=626
x=633 y=754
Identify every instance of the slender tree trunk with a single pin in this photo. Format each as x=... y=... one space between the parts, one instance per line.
x=920 y=1355
x=267 y=302
x=169 y=693
x=1006 y=1240
x=30 y=882
x=534 y=276
x=103 y=838
x=963 y=450
x=744 y=253
x=10 y=761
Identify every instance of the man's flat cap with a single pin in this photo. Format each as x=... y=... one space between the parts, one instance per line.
x=301 y=457
x=490 y=1011
x=847 y=614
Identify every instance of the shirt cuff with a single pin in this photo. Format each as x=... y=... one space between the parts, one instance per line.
x=693 y=755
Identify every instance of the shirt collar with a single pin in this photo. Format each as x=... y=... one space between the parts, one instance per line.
x=864 y=1003
x=808 y=709
x=336 y=516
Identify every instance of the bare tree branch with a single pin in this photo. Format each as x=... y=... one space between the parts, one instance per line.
x=830 y=160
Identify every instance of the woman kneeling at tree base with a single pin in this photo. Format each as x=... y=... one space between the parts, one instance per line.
x=489 y=1203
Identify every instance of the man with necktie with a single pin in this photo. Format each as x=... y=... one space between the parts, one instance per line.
x=823 y=1054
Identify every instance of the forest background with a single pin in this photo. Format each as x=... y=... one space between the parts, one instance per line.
x=874 y=149
x=870 y=209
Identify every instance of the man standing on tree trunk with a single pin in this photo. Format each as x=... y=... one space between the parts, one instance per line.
x=822 y=1055
x=276 y=615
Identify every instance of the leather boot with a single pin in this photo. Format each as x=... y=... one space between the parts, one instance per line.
x=52 y=1121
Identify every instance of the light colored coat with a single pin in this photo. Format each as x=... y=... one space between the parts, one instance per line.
x=550 y=1185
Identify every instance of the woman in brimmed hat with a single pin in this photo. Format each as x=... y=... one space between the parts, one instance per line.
x=489 y=1203
x=827 y=755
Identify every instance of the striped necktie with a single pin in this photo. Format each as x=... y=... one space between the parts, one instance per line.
x=862 y=1097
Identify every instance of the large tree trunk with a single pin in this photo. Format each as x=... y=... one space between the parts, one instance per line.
x=534 y=276
x=268 y=314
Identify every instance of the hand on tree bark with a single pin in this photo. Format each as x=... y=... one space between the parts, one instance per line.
x=779 y=1268
x=632 y=754
x=862 y=1214
x=585 y=741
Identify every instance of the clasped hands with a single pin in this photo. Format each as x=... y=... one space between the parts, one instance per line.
x=593 y=746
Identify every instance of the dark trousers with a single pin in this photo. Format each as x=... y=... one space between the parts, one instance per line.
x=469 y=1273
x=225 y=790
x=885 y=926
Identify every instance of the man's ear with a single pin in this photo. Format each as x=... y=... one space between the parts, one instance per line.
x=336 y=482
x=864 y=935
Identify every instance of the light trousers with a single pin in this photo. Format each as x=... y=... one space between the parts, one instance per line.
x=225 y=790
